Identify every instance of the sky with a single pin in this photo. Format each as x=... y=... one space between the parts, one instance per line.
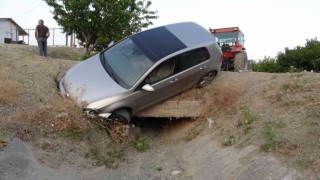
x=269 y=26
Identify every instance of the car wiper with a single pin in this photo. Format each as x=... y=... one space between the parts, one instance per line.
x=113 y=77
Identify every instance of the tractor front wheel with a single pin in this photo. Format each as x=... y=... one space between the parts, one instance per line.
x=240 y=61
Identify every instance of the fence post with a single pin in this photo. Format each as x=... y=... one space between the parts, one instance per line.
x=66 y=39
x=17 y=36
x=53 y=38
x=28 y=36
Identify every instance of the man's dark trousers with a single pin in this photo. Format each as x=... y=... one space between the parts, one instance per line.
x=42 y=43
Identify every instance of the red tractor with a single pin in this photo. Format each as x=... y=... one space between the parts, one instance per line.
x=231 y=41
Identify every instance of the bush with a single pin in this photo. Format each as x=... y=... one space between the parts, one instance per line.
x=268 y=64
x=229 y=141
x=272 y=140
x=248 y=116
x=141 y=144
x=292 y=60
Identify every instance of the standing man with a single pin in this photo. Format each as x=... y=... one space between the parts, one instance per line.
x=42 y=33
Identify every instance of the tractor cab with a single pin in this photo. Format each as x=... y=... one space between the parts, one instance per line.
x=229 y=37
x=231 y=41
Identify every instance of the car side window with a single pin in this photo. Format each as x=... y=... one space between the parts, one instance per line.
x=191 y=58
x=177 y=64
x=161 y=72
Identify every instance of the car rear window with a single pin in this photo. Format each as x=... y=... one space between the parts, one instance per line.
x=158 y=43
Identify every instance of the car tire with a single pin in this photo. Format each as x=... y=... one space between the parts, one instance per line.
x=206 y=79
x=122 y=116
x=240 y=61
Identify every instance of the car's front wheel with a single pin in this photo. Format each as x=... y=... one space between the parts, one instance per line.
x=206 y=79
x=122 y=116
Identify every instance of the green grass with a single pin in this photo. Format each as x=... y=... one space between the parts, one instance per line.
x=249 y=118
x=229 y=141
x=296 y=85
x=270 y=137
x=110 y=159
x=141 y=144
x=272 y=140
x=158 y=168
x=247 y=129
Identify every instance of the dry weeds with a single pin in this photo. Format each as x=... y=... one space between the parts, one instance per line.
x=227 y=96
x=41 y=120
x=10 y=90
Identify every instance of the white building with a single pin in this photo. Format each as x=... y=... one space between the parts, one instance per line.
x=10 y=31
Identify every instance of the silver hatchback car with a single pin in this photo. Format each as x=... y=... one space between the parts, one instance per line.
x=142 y=70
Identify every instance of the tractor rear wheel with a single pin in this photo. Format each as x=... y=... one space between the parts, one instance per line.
x=240 y=61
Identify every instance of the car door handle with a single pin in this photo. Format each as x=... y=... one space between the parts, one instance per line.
x=173 y=81
x=203 y=67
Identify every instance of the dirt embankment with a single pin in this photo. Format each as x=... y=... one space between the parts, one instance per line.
x=253 y=126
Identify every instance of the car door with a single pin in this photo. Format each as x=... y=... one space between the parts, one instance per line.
x=163 y=80
x=172 y=77
x=191 y=66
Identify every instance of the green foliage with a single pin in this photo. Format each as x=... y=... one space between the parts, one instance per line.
x=158 y=168
x=270 y=137
x=110 y=159
x=247 y=129
x=272 y=140
x=229 y=141
x=141 y=144
x=248 y=116
x=97 y=22
x=268 y=64
x=292 y=60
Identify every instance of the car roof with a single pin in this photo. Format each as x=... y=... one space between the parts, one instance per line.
x=191 y=34
x=162 y=41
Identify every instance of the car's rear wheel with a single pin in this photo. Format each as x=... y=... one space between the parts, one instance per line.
x=206 y=79
x=121 y=116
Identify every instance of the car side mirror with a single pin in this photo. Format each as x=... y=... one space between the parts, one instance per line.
x=148 y=88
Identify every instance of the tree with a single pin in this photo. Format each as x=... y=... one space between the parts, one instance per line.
x=96 y=23
x=293 y=60
x=267 y=64
x=302 y=57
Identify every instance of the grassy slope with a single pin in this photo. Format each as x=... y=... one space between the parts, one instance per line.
x=285 y=106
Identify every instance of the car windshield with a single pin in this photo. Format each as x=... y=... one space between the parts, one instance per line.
x=126 y=63
x=226 y=38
